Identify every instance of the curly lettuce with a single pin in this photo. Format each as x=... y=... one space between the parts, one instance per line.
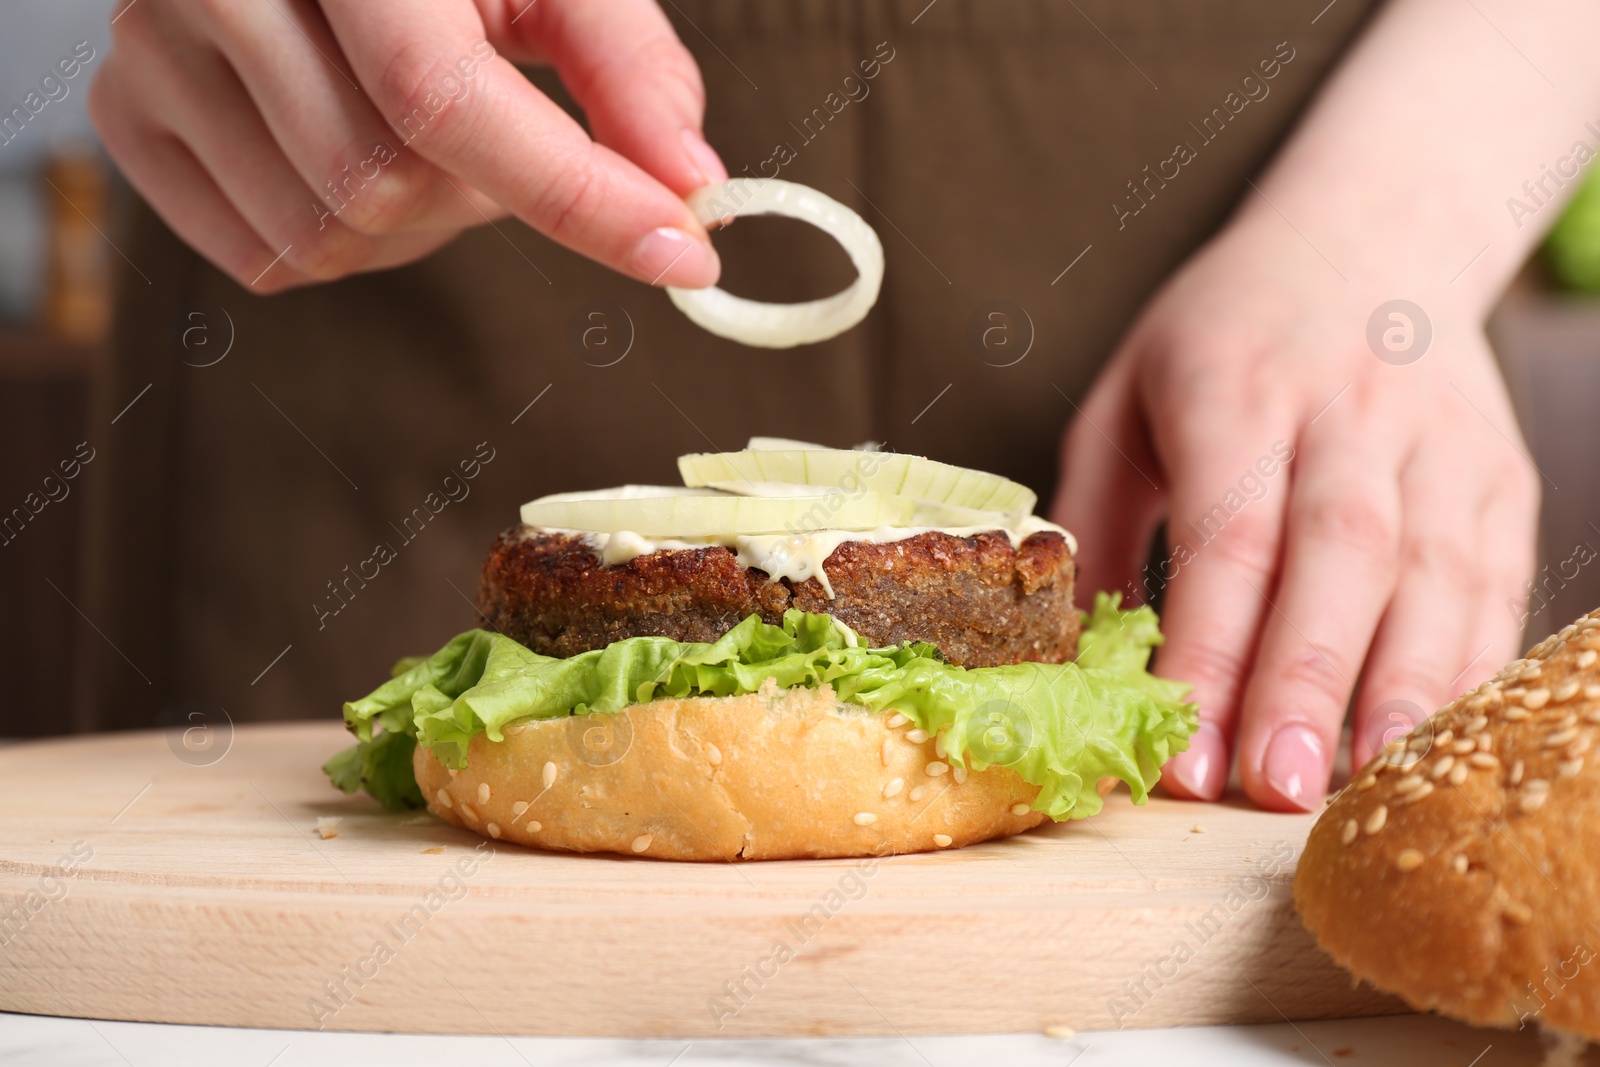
x=1062 y=727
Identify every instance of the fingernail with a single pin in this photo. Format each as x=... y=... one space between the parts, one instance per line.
x=668 y=256
x=706 y=161
x=1296 y=766
x=1203 y=768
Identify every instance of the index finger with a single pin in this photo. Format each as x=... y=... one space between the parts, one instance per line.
x=1224 y=531
x=450 y=98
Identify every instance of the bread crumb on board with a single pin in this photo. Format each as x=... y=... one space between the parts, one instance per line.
x=1197 y=829
x=434 y=851
x=1060 y=1032
x=328 y=826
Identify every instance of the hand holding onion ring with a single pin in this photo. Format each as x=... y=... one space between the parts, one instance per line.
x=784 y=325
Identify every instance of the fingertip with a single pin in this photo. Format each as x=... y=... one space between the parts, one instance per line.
x=1382 y=724
x=670 y=256
x=703 y=157
x=1294 y=770
x=1200 y=772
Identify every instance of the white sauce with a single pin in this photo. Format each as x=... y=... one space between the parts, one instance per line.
x=796 y=557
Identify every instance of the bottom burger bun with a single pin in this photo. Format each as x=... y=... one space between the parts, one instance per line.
x=770 y=775
x=1460 y=869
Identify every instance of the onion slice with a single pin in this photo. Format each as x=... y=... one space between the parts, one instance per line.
x=784 y=325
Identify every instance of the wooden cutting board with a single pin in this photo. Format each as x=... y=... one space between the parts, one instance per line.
x=137 y=885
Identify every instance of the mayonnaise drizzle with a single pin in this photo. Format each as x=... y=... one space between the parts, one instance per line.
x=796 y=557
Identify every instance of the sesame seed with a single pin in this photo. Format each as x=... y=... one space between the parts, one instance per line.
x=1483 y=759
x=942 y=840
x=1592 y=716
x=1514 y=714
x=1408 y=860
x=1578 y=747
x=1519 y=912
x=1020 y=809
x=896 y=721
x=1586 y=658
x=1532 y=802
x=1530 y=672
x=642 y=842
x=1348 y=834
x=483 y=792
x=1535 y=699
x=713 y=755
x=1060 y=1033
x=1566 y=691
x=1567 y=721
x=1442 y=767
x=454 y=771
x=1458 y=773
x=1515 y=777
x=1408 y=784
x=1514 y=695
x=519 y=807
x=938 y=747
x=917 y=793
x=1569 y=768
x=1417 y=794
x=1477 y=725
x=494 y=829
x=1485 y=742
x=1443 y=737
x=468 y=810
x=888 y=742
x=443 y=798
x=549 y=775
x=1367 y=783
x=916 y=737
x=1536 y=785
x=1402 y=759
x=865 y=818
x=1560 y=737
x=959 y=774
x=1591 y=692
x=1421 y=742
x=1463 y=746
x=894 y=787
x=1375 y=821
x=534 y=826
x=1459 y=864
x=935 y=769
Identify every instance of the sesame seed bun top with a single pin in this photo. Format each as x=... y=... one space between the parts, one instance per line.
x=1460 y=868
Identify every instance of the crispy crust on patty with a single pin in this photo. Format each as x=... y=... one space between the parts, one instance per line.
x=982 y=601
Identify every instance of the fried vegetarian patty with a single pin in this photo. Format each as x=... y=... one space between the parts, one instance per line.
x=981 y=600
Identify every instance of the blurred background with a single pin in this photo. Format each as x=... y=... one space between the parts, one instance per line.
x=58 y=231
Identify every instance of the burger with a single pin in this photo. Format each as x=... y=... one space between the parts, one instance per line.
x=800 y=652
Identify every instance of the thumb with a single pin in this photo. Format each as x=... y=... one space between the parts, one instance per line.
x=636 y=82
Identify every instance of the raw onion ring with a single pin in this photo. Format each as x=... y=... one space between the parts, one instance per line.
x=784 y=325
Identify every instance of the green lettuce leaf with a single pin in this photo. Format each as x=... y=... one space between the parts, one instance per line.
x=1062 y=727
x=381 y=766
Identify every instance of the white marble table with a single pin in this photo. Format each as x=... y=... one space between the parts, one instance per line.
x=1398 y=1041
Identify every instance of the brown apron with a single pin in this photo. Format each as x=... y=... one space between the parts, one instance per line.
x=276 y=525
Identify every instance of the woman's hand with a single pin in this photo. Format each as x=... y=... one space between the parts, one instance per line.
x=1340 y=520
x=298 y=141
x=1385 y=558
